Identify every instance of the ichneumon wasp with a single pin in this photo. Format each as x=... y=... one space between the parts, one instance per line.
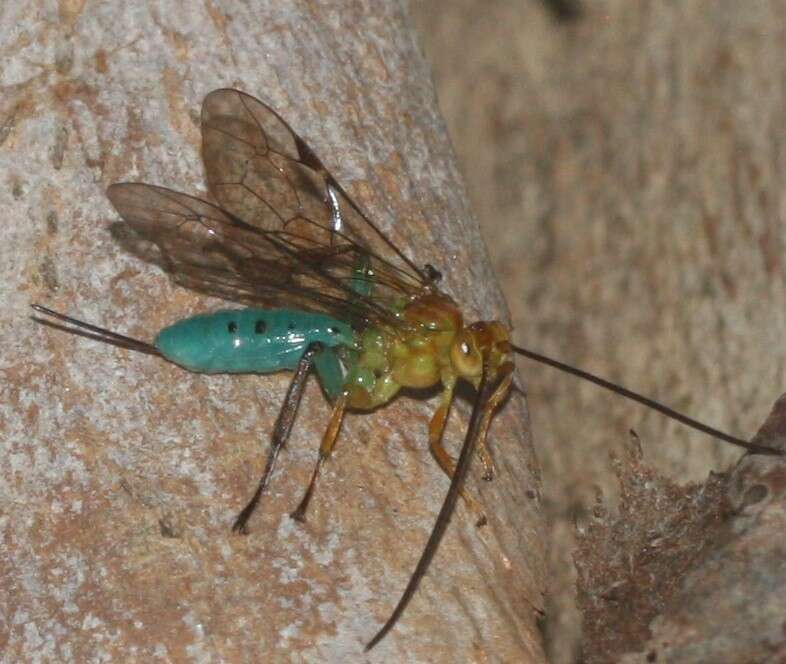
x=326 y=291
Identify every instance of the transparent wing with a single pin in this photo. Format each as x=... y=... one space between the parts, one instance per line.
x=284 y=232
x=261 y=171
x=210 y=250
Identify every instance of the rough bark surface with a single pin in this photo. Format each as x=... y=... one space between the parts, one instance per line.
x=627 y=168
x=691 y=573
x=121 y=475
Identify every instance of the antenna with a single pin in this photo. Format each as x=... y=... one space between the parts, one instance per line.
x=645 y=401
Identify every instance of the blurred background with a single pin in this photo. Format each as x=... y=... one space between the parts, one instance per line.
x=626 y=162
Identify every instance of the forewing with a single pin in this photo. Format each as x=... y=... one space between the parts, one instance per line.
x=261 y=171
x=210 y=250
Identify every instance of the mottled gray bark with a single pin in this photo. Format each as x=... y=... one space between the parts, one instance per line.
x=121 y=475
x=627 y=169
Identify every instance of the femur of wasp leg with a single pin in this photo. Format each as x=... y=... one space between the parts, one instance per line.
x=436 y=430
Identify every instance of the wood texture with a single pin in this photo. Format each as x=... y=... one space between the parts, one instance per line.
x=121 y=476
x=627 y=169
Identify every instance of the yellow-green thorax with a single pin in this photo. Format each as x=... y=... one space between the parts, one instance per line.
x=434 y=347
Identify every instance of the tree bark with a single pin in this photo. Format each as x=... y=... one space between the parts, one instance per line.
x=627 y=169
x=122 y=475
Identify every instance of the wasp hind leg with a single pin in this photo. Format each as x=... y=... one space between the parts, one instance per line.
x=281 y=431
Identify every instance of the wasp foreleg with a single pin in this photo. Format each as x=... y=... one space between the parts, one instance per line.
x=499 y=394
x=435 y=430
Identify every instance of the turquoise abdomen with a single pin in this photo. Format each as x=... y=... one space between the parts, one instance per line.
x=249 y=340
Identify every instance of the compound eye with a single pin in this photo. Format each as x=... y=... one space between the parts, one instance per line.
x=465 y=356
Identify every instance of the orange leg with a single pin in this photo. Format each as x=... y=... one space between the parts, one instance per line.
x=435 y=430
x=325 y=450
x=499 y=394
x=489 y=470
